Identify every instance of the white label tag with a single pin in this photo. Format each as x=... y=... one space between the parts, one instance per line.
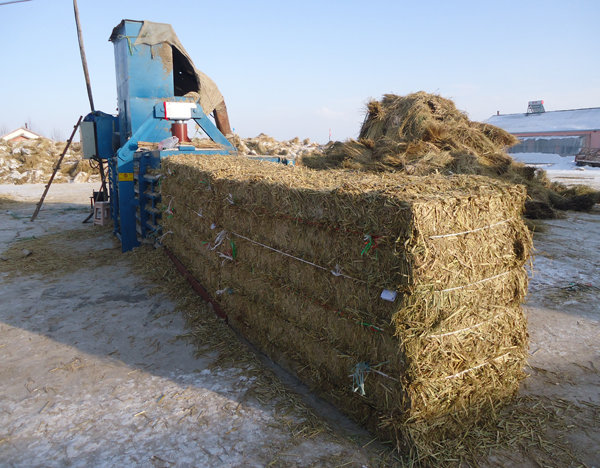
x=179 y=110
x=388 y=295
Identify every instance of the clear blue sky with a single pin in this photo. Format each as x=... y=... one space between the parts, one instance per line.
x=299 y=68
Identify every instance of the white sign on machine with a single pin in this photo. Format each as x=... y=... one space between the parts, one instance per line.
x=178 y=110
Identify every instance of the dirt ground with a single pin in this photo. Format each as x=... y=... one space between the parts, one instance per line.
x=564 y=363
x=95 y=371
x=564 y=324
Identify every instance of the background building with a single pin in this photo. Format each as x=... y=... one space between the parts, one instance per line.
x=563 y=132
x=20 y=134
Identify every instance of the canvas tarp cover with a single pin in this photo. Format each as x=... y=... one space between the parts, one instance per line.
x=207 y=94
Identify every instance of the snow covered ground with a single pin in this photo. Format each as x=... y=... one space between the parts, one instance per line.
x=94 y=370
x=561 y=168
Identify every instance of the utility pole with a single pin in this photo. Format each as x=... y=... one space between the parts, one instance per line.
x=88 y=86
x=83 y=59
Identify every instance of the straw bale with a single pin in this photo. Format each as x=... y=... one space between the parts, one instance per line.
x=351 y=336
x=424 y=133
x=299 y=258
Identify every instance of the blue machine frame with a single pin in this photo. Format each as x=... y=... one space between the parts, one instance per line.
x=133 y=216
x=144 y=84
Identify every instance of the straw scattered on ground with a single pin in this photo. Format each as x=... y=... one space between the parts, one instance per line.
x=211 y=334
x=7 y=201
x=55 y=255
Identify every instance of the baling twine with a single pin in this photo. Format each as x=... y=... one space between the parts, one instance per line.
x=361 y=369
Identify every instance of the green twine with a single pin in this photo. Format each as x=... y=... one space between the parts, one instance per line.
x=233 y=249
x=368 y=245
x=371 y=326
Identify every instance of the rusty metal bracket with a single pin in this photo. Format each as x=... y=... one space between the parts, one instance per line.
x=196 y=286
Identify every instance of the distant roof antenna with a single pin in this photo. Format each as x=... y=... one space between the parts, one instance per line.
x=535 y=107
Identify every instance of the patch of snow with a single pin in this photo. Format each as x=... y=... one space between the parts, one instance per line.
x=552 y=162
x=575 y=137
x=561 y=168
x=546 y=160
x=16 y=175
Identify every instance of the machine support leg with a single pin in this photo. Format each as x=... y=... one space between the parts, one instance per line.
x=222 y=119
x=102 y=175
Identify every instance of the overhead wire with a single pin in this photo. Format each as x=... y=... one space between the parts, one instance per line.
x=14 y=1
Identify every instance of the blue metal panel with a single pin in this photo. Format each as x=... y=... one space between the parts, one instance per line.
x=106 y=126
x=140 y=74
x=152 y=129
x=143 y=83
x=205 y=123
x=141 y=110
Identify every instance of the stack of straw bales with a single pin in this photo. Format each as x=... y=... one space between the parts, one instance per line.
x=397 y=297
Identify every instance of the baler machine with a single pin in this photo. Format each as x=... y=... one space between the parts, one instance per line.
x=158 y=90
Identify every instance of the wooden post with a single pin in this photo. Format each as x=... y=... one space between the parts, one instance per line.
x=88 y=86
x=83 y=59
x=41 y=202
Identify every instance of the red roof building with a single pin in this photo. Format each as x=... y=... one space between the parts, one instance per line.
x=20 y=134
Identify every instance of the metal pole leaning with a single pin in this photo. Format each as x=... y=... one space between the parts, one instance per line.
x=41 y=202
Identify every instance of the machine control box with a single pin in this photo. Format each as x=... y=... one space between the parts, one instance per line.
x=99 y=135
x=88 y=139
